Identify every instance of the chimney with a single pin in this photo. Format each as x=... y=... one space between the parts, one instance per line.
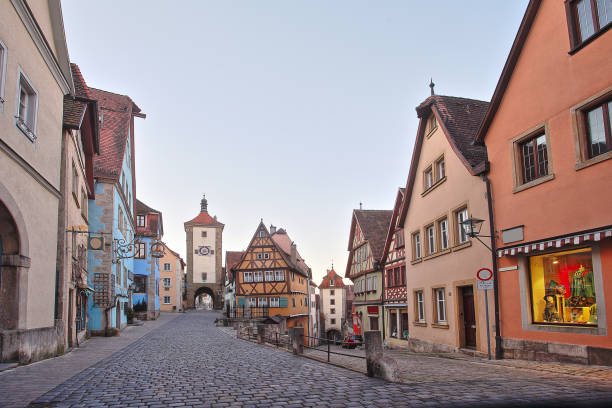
x=293 y=253
x=272 y=229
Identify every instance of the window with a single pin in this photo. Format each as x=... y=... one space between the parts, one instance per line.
x=204 y=276
x=274 y=302
x=588 y=17
x=292 y=275
x=84 y=203
x=167 y=266
x=204 y=234
x=373 y=323
x=332 y=301
x=293 y=301
x=140 y=283
x=331 y=282
x=443 y=228
x=332 y=292
x=332 y=311
x=166 y=282
x=534 y=158
x=262 y=234
x=248 y=277
x=332 y=321
x=420 y=306
x=258 y=276
x=259 y=256
x=141 y=221
x=266 y=255
x=598 y=121
x=27 y=106
x=3 y=53
x=428 y=178
x=440 y=171
x=279 y=275
x=166 y=300
x=399 y=239
x=141 y=250
x=269 y=275
x=374 y=280
x=416 y=245
x=431 y=239
x=75 y=182
x=563 y=288
x=262 y=302
x=431 y=124
x=461 y=216
x=252 y=302
x=440 y=305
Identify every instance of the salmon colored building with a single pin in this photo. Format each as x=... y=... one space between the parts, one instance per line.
x=549 y=142
x=171 y=274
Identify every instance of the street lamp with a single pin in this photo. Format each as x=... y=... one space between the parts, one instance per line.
x=472 y=227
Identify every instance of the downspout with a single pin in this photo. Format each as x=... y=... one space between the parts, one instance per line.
x=382 y=306
x=498 y=338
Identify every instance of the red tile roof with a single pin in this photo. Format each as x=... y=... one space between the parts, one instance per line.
x=374 y=225
x=205 y=219
x=331 y=275
x=116 y=113
x=154 y=220
x=175 y=254
x=282 y=240
x=80 y=87
x=232 y=259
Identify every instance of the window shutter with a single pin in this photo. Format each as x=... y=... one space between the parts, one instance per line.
x=240 y=302
x=283 y=302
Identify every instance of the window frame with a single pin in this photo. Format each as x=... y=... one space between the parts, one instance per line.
x=431 y=249
x=581 y=134
x=573 y=26
x=274 y=302
x=169 y=266
x=3 y=66
x=428 y=171
x=278 y=272
x=204 y=276
x=140 y=250
x=169 y=282
x=440 y=160
x=417 y=253
x=439 y=312
x=169 y=302
x=31 y=122
x=399 y=239
x=84 y=204
x=144 y=221
x=247 y=277
x=443 y=233
x=258 y=276
x=419 y=304
x=517 y=158
x=269 y=274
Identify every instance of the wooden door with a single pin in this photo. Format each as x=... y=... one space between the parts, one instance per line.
x=469 y=316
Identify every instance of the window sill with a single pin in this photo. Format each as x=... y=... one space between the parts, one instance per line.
x=589 y=40
x=433 y=186
x=440 y=326
x=420 y=324
x=416 y=261
x=597 y=159
x=437 y=254
x=25 y=130
x=533 y=183
x=459 y=247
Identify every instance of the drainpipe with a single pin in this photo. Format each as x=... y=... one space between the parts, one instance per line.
x=498 y=338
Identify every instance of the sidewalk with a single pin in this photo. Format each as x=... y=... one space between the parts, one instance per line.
x=21 y=385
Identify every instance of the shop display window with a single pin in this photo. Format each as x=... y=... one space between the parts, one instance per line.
x=563 y=289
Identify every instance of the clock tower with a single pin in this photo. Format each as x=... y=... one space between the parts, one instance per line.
x=204 y=248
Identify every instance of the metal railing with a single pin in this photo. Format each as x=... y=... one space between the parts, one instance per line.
x=248 y=312
x=328 y=350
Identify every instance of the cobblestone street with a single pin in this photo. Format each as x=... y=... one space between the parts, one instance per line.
x=190 y=362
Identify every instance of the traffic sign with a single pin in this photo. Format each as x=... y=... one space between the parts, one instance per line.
x=485 y=279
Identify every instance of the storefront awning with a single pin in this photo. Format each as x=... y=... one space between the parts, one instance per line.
x=559 y=242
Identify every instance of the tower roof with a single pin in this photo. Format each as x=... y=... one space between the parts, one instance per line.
x=203 y=218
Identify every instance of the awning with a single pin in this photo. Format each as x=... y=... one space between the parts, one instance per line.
x=83 y=287
x=559 y=242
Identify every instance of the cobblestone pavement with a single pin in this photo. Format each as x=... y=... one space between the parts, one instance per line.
x=190 y=362
x=23 y=384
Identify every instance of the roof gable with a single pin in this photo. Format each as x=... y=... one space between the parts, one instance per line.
x=329 y=277
x=399 y=199
x=374 y=225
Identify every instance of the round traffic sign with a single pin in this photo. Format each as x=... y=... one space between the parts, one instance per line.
x=484 y=274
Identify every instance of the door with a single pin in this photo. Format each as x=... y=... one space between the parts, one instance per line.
x=469 y=316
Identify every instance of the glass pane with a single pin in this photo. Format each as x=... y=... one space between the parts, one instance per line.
x=528 y=162
x=585 y=19
x=563 y=288
x=597 y=133
x=604 y=11
x=542 y=156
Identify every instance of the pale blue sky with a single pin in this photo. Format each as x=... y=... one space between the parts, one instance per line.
x=290 y=111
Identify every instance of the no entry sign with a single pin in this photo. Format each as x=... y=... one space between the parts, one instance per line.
x=485 y=279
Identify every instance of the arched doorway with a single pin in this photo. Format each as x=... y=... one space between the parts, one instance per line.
x=204 y=298
x=334 y=335
x=9 y=276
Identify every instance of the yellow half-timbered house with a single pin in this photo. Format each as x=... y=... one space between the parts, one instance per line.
x=273 y=279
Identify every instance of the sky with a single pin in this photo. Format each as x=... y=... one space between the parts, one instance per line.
x=292 y=112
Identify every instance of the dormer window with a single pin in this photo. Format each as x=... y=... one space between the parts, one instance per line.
x=331 y=282
x=141 y=221
x=432 y=124
x=262 y=234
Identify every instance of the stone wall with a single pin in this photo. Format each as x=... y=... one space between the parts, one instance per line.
x=556 y=352
x=28 y=346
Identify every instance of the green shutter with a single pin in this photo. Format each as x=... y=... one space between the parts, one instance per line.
x=240 y=302
x=283 y=302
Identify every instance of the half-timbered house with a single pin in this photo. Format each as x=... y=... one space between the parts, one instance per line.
x=367 y=239
x=394 y=264
x=272 y=278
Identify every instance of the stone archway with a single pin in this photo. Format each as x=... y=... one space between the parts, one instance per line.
x=204 y=290
x=196 y=289
x=333 y=334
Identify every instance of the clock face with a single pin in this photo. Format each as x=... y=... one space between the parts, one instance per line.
x=204 y=250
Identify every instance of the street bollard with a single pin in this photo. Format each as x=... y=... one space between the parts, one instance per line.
x=297 y=339
x=378 y=365
x=261 y=331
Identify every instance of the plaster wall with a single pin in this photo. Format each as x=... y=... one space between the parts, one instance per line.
x=338 y=297
x=204 y=263
x=456 y=266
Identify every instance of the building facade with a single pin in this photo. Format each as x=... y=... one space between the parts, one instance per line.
x=80 y=142
x=333 y=296
x=146 y=287
x=313 y=311
x=34 y=77
x=272 y=278
x=111 y=214
x=367 y=239
x=394 y=279
x=548 y=135
x=232 y=259
x=204 y=258
x=447 y=312
x=171 y=271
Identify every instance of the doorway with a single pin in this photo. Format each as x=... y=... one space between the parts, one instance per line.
x=468 y=316
x=118 y=316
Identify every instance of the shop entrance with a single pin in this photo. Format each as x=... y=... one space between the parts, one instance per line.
x=468 y=316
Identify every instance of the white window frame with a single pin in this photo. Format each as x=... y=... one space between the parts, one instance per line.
x=461 y=216
x=440 y=305
x=331 y=282
x=374 y=283
x=266 y=255
x=28 y=128
x=252 y=302
x=420 y=297
x=169 y=302
x=274 y=302
x=428 y=178
x=167 y=266
x=143 y=218
x=259 y=255
x=444 y=242
x=258 y=276
x=279 y=275
x=262 y=234
x=269 y=276
x=167 y=282
x=417 y=245
x=262 y=302
x=3 y=59
x=431 y=239
x=248 y=277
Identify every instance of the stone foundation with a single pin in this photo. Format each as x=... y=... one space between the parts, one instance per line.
x=422 y=346
x=556 y=352
x=28 y=346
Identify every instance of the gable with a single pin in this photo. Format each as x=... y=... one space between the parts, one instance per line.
x=262 y=252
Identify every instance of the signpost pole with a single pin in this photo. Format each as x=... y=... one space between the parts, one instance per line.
x=485 y=282
x=488 y=329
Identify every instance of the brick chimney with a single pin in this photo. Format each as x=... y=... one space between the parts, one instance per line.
x=272 y=229
x=293 y=253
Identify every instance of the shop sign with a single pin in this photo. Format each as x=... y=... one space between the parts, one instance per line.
x=373 y=310
x=485 y=279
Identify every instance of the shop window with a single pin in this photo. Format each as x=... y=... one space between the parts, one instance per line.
x=563 y=288
x=587 y=18
x=393 y=323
